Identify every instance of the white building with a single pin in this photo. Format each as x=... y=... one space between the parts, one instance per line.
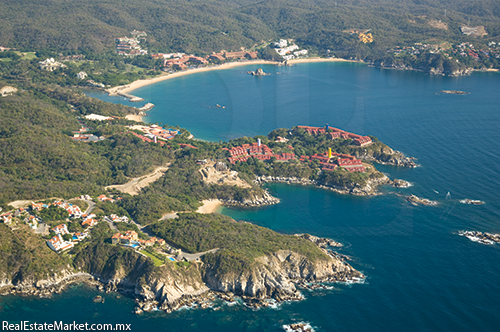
x=60 y=229
x=299 y=53
x=81 y=75
x=115 y=218
x=97 y=117
x=282 y=43
x=286 y=50
x=58 y=244
x=50 y=64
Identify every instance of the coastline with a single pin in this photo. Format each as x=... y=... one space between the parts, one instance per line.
x=209 y=206
x=134 y=117
x=144 y=82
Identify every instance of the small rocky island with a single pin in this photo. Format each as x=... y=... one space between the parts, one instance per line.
x=471 y=201
x=415 y=200
x=398 y=183
x=484 y=238
x=455 y=92
x=258 y=72
x=298 y=327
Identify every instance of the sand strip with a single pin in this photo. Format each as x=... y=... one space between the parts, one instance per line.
x=140 y=83
x=209 y=206
x=134 y=117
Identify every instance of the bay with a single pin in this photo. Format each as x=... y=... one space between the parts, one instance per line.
x=420 y=274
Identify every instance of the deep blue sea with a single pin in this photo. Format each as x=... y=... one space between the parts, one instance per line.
x=421 y=276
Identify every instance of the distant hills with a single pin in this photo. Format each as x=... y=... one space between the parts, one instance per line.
x=204 y=26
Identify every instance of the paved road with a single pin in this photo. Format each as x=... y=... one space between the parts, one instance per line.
x=192 y=257
x=111 y=225
x=90 y=208
x=143 y=229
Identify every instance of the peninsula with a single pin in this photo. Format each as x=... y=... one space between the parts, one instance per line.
x=125 y=220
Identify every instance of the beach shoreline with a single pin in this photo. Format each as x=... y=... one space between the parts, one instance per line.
x=125 y=89
x=134 y=117
x=209 y=206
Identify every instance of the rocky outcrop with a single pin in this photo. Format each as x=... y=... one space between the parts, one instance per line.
x=369 y=189
x=391 y=64
x=276 y=275
x=211 y=175
x=386 y=156
x=454 y=72
x=253 y=201
x=484 y=238
x=7 y=91
x=273 y=277
x=415 y=200
x=321 y=242
x=258 y=72
x=45 y=287
x=169 y=289
x=401 y=183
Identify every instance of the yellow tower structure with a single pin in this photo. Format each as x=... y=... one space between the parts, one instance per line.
x=329 y=152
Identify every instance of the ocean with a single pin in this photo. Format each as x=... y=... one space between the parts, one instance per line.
x=421 y=276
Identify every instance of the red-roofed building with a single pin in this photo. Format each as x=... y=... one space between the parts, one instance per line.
x=216 y=56
x=197 y=60
x=349 y=162
x=60 y=229
x=363 y=141
x=313 y=130
x=234 y=55
x=58 y=244
x=253 y=54
x=89 y=222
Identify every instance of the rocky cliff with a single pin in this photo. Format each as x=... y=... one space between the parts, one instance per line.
x=253 y=200
x=271 y=276
x=369 y=189
x=275 y=276
x=386 y=156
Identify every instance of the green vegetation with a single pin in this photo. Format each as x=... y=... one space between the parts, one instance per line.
x=91 y=27
x=239 y=243
x=99 y=256
x=39 y=159
x=158 y=259
x=25 y=255
x=53 y=213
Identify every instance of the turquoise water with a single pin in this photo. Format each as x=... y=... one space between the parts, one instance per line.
x=421 y=276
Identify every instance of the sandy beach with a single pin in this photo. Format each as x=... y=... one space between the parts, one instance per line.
x=140 y=83
x=209 y=206
x=134 y=117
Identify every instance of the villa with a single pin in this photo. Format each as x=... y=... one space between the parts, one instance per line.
x=60 y=229
x=58 y=244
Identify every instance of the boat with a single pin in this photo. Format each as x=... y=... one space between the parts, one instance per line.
x=217 y=105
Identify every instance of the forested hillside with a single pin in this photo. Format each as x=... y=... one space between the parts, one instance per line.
x=206 y=26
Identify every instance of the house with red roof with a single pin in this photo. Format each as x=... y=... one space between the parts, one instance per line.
x=58 y=244
x=89 y=222
x=60 y=229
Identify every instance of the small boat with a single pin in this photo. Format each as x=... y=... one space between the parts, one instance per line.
x=217 y=105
